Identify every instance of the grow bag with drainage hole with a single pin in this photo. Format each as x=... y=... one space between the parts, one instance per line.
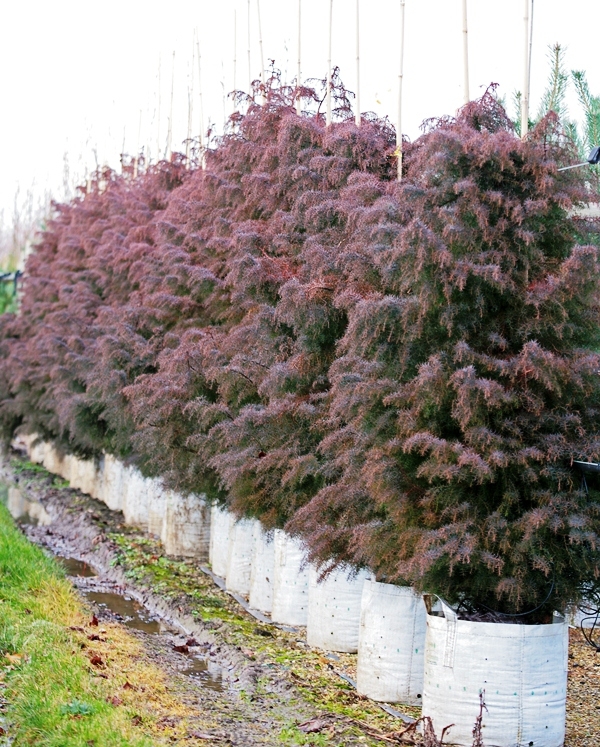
x=521 y=668
x=290 y=581
x=220 y=526
x=391 y=644
x=263 y=569
x=239 y=557
x=334 y=609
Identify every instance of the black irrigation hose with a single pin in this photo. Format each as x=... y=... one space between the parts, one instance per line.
x=522 y=614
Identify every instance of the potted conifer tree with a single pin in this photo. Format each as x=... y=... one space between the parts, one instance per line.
x=467 y=384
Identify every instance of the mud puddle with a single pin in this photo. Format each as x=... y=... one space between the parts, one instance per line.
x=111 y=604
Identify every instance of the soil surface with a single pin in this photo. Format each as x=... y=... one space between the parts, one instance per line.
x=250 y=683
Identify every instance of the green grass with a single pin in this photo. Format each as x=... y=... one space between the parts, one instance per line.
x=54 y=698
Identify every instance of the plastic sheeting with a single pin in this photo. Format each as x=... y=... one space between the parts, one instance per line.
x=391 y=644
x=220 y=526
x=522 y=668
x=186 y=526
x=239 y=557
x=290 y=581
x=334 y=608
x=263 y=569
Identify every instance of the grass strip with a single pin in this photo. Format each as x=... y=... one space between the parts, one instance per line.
x=66 y=683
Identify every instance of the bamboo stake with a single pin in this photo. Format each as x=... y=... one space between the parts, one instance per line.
x=262 y=59
x=249 y=60
x=530 y=48
x=467 y=97
x=400 y=80
x=189 y=127
x=201 y=137
x=298 y=76
x=158 y=150
x=357 y=118
x=525 y=98
x=137 y=149
x=170 y=130
x=328 y=93
x=234 y=51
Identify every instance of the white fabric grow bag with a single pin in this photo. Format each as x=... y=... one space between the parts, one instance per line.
x=111 y=488
x=391 y=644
x=186 y=526
x=157 y=506
x=263 y=569
x=522 y=668
x=239 y=556
x=334 y=609
x=135 y=498
x=220 y=526
x=290 y=581
x=83 y=474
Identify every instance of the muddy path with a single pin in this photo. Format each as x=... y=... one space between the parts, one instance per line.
x=250 y=683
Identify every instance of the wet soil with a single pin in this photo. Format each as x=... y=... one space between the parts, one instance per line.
x=242 y=696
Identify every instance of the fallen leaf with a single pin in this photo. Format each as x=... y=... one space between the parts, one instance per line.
x=14 y=658
x=115 y=700
x=181 y=649
x=191 y=642
x=96 y=660
x=96 y=637
x=315 y=724
x=94 y=621
x=136 y=720
x=128 y=686
x=77 y=628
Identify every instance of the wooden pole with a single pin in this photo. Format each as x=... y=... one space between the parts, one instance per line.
x=525 y=97
x=299 y=73
x=170 y=130
x=262 y=59
x=357 y=117
x=328 y=93
x=467 y=97
x=400 y=79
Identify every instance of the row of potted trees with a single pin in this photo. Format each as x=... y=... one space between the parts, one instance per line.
x=400 y=374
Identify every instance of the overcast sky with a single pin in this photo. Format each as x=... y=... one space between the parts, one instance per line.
x=75 y=76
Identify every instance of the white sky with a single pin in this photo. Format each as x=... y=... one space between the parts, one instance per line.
x=75 y=75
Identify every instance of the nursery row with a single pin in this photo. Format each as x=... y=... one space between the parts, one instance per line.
x=407 y=652
x=399 y=373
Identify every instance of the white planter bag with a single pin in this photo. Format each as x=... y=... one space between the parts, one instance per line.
x=83 y=474
x=157 y=506
x=334 y=609
x=186 y=527
x=111 y=491
x=135 y=498
x=263 y=569
x=48 y=456
x=391 y=644
x=290 y=581
x=220 y=527
x=522 y=668
x=239 y=557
